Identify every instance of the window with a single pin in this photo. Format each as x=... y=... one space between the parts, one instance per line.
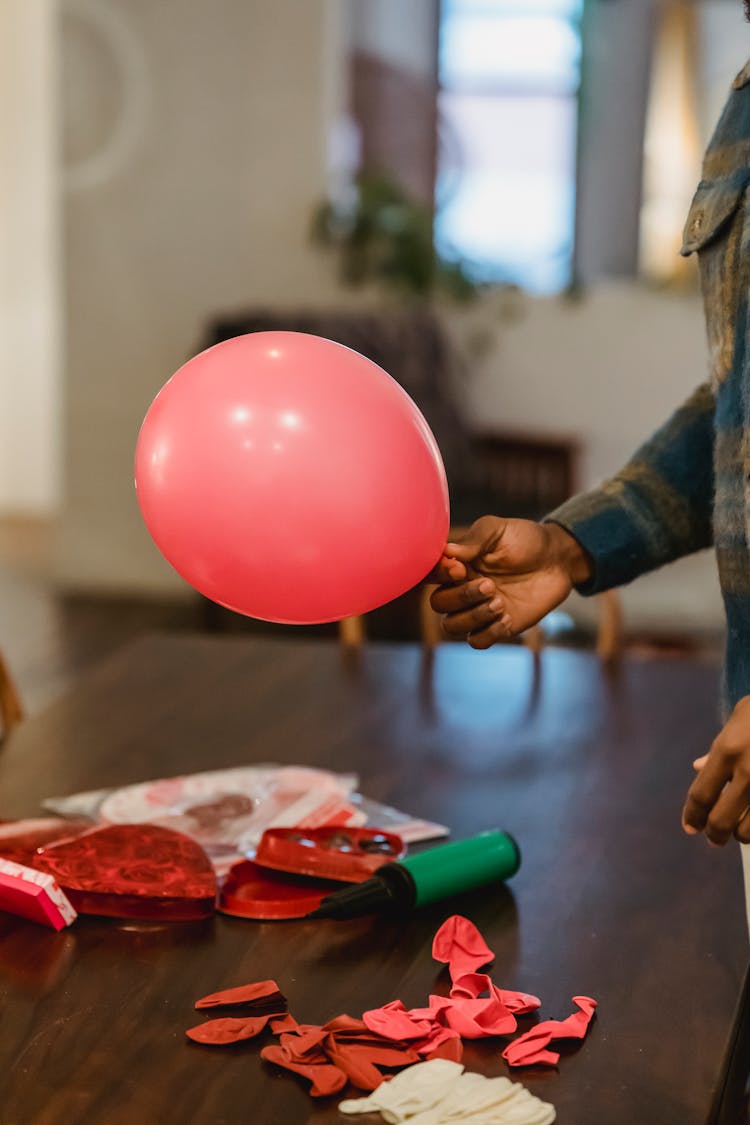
x=509 y=73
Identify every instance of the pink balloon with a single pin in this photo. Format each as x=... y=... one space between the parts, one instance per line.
x=288 y=478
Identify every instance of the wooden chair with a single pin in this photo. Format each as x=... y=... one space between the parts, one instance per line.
x=609 y=633
x=11 y=711
x=352 y=631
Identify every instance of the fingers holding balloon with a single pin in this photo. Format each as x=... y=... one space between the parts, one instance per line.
x=448 y=570
x=464 y=596
x=471 y=609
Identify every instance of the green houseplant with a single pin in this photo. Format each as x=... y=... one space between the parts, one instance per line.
x=385 y=237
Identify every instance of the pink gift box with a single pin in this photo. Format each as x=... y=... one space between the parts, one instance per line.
x=34 y=895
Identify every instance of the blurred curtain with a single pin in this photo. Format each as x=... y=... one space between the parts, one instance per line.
x=617 y=44
x=672 y=147
x=393 y=82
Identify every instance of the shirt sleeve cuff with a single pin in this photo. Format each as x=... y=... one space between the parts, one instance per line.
x=609 y=539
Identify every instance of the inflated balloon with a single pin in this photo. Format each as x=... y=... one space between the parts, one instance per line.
x=288 y=478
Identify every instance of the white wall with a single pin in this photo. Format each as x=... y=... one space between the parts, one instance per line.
x=201 y=206
x=29 y=260
x=607 y=368
x=724 y=49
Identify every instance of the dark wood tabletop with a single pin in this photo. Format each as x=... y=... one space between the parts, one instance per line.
x=586 y=767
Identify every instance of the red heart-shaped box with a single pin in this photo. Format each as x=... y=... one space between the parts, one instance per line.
x=133 y=871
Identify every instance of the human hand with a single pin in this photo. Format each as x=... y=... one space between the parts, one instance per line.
x=504 y=576
x=718 y=801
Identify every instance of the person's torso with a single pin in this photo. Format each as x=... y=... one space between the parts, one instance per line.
x=718 y=229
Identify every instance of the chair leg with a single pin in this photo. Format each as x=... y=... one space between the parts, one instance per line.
x=352 y=632
x=609 y=640
x=533 y=638
x=11 y=710
x=429 y=621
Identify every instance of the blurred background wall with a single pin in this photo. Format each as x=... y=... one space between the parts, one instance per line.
x=195 y=138
x=31 y=315
x=163 y=165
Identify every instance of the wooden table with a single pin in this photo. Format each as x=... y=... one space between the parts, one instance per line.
x=587 y=768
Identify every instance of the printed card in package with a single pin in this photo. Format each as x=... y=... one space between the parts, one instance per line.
x=227 y=811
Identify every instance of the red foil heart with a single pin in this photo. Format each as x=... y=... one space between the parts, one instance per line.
x=133 y=871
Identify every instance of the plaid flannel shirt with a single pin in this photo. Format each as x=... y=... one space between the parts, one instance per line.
x=689 y=486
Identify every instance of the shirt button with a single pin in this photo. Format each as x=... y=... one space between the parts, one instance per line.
x=697 y=223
